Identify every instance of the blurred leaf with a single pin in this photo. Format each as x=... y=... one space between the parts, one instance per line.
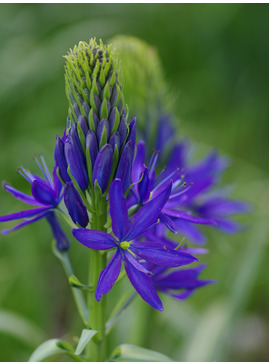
x=128 y=352
x=85 y=337
x=53 y=347
x=20 y=328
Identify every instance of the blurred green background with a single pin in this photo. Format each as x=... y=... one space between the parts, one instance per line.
x=215 y=58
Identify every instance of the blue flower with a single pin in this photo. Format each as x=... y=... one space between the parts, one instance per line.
x=46 y=195
x=146 y=185
x=130 y=251
x=191 y=201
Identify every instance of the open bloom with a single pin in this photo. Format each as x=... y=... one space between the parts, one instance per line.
x=130 y=251
x=46 y=195
x=191 y=201
x=147 y=184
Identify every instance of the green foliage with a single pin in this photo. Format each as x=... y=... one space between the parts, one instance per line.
x=53 y=347
x=128 y=352
x=20 y=328
x=85 y=337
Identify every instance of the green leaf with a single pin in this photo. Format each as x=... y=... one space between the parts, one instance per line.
x=75 y=282
x=53 y=347
x=19 y=327
x=85 y=337
x=128 y=352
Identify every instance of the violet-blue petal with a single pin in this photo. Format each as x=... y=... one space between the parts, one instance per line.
x=190 y=231
x=177 y=214
x=168 y=223
x=165 y=133
x=186 y=249
x=23 y=214
x=115 y=140
x=103 y=127
x=62 y=241
x=73 y=134
x=180 y=278
x=156 y=254
x=198 y=187
x=132 y=132
x=228 y=226
x=177 y=158
x=150 y=235
x=122 y=129
x=222 y=207
x=24 y=223
x=134 y=262
x=75 y=206
x=183 y=295
x=144 y=187
x=124 y=169
x=148 y=214
x=211 y=165
x=43 y=193
x=20 y=195
x=109 y=275
x=118 y=209
x=138 y=165
x=91 y=143
x=102 y=166
x=83 y=124
x=77 y=163
x=60 y=160
x=144 y=286
x=57 y=184
x=94 y=239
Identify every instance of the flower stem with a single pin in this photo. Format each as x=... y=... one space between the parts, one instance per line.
x=96 y=350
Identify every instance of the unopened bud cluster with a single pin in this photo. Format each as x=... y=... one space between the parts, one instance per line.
x=98 y=144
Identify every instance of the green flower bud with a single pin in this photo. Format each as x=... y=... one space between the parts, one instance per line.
x=93 y=84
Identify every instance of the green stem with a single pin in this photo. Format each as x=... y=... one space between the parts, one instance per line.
x=78 y=296
x=96 y=350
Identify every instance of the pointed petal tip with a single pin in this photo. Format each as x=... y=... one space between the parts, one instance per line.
x=4 y=184
x=159 y=307
x=98 y=297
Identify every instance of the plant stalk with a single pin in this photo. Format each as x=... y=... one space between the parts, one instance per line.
x=96 y=349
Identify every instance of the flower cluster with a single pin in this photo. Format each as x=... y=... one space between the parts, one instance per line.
x=116 y=192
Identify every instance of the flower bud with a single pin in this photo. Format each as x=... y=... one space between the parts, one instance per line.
x=102 y=166
x=76 y=162
x=75 y=206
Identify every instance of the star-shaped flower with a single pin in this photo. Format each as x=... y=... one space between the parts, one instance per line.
x=46 y=195
x=128 y=251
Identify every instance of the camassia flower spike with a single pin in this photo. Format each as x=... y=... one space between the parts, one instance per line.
x=46 y=195
x=98 y=144
x=128 y=251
